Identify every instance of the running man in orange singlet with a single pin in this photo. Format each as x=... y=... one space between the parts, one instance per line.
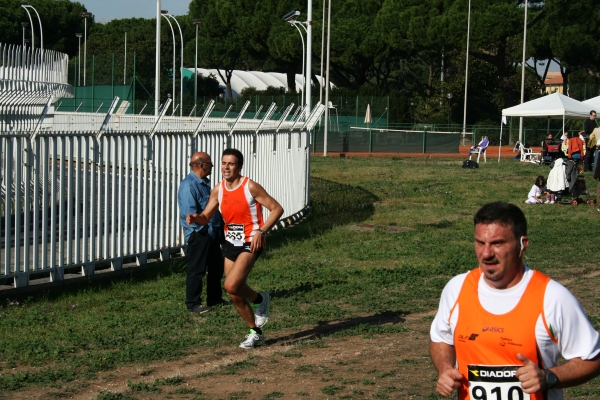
x=240 y=201
x=501 y=327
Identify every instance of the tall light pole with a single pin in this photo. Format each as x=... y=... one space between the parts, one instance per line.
x=196 y=22
x=125 y=57
x=307 y=80
x=157 y=61
x=523 y=72
x=24 y=25
x=31 y=21
x=79 y=35
x=26 y=5
x=327 y=79
x=466 y=71
x=291 y=18
x=181 y=68
x=85 y=16
x=164 y=14
x=322 y=53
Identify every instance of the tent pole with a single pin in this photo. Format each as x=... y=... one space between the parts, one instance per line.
x=500 y=147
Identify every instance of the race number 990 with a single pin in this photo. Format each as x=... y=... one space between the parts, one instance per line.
x=498 y=393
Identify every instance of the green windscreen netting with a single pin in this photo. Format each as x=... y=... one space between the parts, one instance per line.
x=386 y=141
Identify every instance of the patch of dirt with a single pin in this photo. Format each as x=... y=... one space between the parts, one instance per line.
x=311 y=363
x=301 y=364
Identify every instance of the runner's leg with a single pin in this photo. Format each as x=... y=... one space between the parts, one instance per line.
x=241 y=294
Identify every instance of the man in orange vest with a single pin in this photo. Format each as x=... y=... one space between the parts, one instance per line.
x=501 y=327
x=240 y=201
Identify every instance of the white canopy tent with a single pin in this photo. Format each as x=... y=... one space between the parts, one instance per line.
x=593 y=103
x=555 y=106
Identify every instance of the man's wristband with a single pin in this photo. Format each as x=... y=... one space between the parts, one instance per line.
x=551 y=379
x=262 y=233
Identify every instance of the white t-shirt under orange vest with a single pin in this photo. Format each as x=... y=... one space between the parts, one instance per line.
x=564 y=316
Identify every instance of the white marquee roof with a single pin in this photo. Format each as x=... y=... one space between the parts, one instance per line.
x=259 y=80
x=555 y=105
x=593 y=103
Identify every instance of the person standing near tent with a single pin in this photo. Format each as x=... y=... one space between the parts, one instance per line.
x=588 y=127
x=575 y=150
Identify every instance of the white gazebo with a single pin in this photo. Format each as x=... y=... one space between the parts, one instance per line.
x=555 y=106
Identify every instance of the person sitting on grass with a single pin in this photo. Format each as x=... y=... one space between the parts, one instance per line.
x=481 y=146
x=535 y=194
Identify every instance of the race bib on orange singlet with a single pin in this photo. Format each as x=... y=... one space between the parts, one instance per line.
x=235 y=234
x=495 y=383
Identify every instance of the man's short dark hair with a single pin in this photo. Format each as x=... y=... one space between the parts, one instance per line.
x=504 y=214
x=237 y=154
x=592 y=112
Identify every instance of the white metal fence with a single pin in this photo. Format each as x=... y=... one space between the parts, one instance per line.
x=80 y=191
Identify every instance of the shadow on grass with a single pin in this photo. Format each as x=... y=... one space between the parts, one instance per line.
x=304 y=288
x=332 y=204
x=358 y=325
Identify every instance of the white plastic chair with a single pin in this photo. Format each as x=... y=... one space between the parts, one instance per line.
x=527 y=155
x=479 y=150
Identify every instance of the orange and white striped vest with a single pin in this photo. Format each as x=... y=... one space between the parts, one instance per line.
x=487 y=344
x=241 y=213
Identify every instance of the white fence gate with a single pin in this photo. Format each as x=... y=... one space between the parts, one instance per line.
x=81 y=191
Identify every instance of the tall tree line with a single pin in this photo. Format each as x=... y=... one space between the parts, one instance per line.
x=400 y=48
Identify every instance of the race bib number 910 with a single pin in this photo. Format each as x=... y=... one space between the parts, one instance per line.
x=495 y=383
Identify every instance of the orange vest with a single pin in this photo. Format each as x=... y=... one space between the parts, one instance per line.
x=241 y=213
x=483 y=340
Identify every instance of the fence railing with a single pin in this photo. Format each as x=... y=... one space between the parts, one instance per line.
x=82 y=191
x=30 y=80
x=73 y=202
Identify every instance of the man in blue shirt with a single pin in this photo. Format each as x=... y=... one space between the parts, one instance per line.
x=203 y=250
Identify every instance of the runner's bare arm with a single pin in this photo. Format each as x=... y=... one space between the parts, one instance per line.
x=443 y=357
x=276 y=211
x=572 y=373
x=208 y=212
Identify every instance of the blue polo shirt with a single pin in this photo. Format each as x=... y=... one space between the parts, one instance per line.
x=192 y=197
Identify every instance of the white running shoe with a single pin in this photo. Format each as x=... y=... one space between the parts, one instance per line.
x=547 y=202
x=253 y=340
x=261 y=311
x=551 y=202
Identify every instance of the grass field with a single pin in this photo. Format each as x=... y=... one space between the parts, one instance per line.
x=383 y=238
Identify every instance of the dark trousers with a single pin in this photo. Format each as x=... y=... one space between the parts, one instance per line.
x=204 y=256
x=589 y=159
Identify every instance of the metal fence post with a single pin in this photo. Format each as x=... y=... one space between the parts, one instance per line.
x=424 y=138
x=93 y=84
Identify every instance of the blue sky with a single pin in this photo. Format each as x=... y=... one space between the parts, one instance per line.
x=106 y=10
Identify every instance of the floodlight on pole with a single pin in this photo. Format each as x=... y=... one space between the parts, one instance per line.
x=79 y=35
x=291 y=19
x=125 y=57
x=291 y=16
x=24 y=25
x=31 y=22
x=196 y=22
x=85 y=16
x=26 y=5
x=181 y=67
